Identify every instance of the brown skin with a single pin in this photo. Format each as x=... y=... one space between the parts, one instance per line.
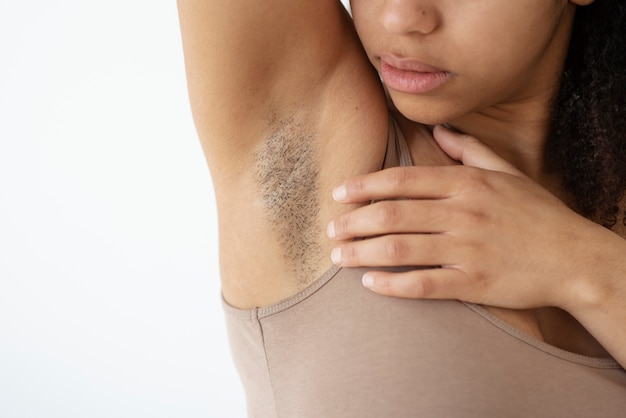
x=499 y=225
x=292 y=73
x=501 y=239
x=266 y=75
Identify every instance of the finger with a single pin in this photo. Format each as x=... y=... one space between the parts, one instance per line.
x=397 y=250
x=392 y=216
x=470 y=151
x=399 y=182
x=434 y=283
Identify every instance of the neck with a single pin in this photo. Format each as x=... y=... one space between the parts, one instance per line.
x=517 y=132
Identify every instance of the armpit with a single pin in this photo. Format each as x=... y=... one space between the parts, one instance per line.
x=287 y=172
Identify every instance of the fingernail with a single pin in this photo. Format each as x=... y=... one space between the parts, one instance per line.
x=330 y=231
x=340 y=193
x=335 y=255
x=368 y=280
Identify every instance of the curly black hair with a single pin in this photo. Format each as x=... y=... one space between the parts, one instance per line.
x=587 y=144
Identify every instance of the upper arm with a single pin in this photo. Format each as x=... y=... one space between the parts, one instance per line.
x=282 y=95
x=247 y=58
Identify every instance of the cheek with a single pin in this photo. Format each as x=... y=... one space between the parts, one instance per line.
x=501 y=56
x=368 y=37
x=365 y=17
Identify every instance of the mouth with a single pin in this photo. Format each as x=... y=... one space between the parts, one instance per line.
x=410 y=76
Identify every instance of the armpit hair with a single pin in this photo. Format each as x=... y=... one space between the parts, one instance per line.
x=288 y=175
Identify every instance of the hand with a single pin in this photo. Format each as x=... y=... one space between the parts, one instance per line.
x=482 y=232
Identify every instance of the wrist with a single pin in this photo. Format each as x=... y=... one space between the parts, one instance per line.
x=601 y=275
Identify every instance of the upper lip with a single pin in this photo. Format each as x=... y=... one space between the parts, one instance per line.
x=409 y=64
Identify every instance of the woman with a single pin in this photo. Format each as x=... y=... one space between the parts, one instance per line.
x=508 y=241
x=287 y=107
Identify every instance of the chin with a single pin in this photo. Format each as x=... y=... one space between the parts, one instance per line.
x=424 y=111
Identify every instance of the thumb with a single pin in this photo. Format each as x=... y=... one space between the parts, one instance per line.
x=471 y=152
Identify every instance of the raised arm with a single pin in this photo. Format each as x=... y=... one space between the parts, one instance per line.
x=249 y=60
x=285 y=104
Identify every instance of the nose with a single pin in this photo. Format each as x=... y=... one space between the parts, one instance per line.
x=404 y=17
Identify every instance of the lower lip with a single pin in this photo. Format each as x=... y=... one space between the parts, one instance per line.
x=411 y=81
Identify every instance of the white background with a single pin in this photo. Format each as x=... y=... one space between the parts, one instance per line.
x=109 y=288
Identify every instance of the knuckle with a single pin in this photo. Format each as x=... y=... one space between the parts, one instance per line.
x=396 y=250
x=342 y=226
x=478 y=279
x=472 y=216
x=355 y=187
x=387 y=214
x=349 y=254
x=398 y=177
x=479 y=182
x=385 y=285
x=482 y=280
x=470 y=143
x=468 y=217
x=425 y=287
x=473 y=178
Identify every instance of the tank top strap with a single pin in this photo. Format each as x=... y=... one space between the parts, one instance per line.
x=397 y=154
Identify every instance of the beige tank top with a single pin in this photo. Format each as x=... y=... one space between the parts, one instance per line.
x=338 y=350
